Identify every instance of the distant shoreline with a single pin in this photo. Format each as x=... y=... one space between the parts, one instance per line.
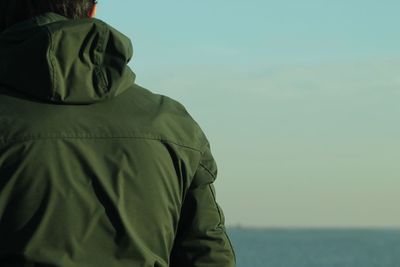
x=303 y=228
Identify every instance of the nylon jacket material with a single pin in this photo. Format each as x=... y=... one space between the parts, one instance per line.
x=96 y=170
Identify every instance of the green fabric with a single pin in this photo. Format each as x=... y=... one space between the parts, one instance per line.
x=94 y=169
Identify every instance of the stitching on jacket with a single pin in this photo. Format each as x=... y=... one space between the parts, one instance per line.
x=216 y=206
x=155 y=138
x=101 y=46
x=51 y=61
x=220 y=224
x=208 y=170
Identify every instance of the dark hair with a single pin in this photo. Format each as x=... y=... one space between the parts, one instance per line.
x=14 y=11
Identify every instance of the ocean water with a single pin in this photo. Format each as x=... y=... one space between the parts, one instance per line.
x=316 y=248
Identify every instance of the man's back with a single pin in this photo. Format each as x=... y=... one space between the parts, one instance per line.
x=94 y=169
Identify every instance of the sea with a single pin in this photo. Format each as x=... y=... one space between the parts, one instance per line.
x=316 y=247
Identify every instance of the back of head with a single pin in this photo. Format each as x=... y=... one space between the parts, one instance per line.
x=14 y=11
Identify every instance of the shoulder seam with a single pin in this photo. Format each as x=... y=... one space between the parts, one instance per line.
x=155 y=138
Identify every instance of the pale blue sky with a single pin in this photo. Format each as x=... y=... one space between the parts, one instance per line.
x=300 y=101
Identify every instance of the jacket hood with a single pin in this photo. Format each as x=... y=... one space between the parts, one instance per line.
x=66 y=61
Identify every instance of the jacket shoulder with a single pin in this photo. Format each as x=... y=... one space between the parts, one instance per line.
x=169 y=119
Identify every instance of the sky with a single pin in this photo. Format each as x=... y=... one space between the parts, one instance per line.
x=299 y=100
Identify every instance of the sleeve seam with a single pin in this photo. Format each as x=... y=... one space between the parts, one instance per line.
x=222 y=225
x=216 y=205
x=208 y=170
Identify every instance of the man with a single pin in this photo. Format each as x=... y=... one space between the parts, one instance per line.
x=94 y=169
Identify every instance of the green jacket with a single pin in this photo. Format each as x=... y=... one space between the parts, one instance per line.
x=94 y=169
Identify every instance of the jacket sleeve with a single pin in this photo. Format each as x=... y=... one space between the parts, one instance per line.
x=201 y=238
